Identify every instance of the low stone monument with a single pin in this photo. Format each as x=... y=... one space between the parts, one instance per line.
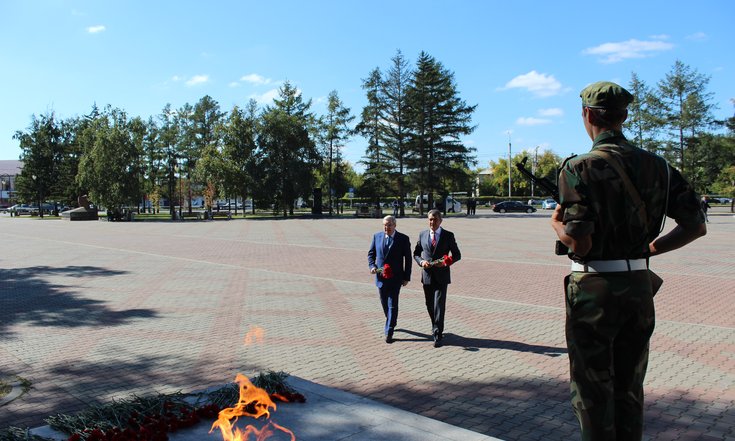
x=84 y=212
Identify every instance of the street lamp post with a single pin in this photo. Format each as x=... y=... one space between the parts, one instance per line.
x=509 y=168
x=171 y=188
x=188 y=185
x=533 y=168
x=37 y=184
x=181 y=189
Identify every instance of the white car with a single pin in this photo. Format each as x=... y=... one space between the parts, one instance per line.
x=548 y=204
x=19 y=209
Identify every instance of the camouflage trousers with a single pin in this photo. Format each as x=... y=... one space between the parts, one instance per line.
x=609 y=321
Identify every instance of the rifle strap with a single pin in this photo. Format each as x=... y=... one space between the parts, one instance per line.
x=656 y=280
x=632 y=191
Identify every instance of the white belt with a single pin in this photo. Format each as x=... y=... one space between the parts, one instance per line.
x=610 y=266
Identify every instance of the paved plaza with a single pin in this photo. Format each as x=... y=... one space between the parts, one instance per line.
x=95 y=310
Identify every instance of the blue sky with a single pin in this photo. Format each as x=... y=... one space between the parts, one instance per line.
x=522 y=62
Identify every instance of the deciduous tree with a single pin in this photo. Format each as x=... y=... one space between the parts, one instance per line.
x=43 y=148
x=288 y=151
x=110 y=166
x=239 y=136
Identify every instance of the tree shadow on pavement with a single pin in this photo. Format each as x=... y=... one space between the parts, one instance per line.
x=509 y=407
x=539 y=409
x=70 y=387
x=29 y=298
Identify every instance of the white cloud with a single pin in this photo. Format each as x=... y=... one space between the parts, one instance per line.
x=539 y=84
x=234 y=84
x=531 y=121
x=96 y=29
x=197 y=79
x=554 y=111
x=697 y=36
x=615 y=52
x=534 y=121
x=175 y=78
x=256 y=79
x=265 y=98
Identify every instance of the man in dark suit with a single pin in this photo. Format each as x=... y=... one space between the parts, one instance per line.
x=394 y=249
x=433 y=245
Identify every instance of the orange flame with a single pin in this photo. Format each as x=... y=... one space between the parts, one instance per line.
x=254 y=335
x=253 y=402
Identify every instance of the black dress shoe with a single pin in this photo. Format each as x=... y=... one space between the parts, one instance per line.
x=437 y=341
x=389 y=338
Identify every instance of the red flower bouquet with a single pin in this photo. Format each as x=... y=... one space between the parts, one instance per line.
x=446 y=260
x=386 y=272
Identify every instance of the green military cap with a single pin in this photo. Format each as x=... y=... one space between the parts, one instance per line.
x=605 y=94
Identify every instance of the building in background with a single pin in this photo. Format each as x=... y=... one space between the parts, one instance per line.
x=9 y=170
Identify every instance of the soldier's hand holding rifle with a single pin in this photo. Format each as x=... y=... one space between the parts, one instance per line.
x=559 y=248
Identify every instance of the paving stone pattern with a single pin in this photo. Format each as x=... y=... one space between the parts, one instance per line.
x=95 y=310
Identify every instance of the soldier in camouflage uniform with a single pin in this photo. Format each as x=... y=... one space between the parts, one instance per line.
x=611 y=229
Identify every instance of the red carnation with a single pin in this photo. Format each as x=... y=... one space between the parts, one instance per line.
x=387 y=271
x=447 y=260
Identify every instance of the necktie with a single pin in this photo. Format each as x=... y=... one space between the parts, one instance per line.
x=433 y=239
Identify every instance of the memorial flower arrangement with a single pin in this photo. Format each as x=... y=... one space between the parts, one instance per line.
x=153 y=418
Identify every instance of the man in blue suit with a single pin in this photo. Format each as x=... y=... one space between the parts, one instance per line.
x=392 y=248
x=433 y=245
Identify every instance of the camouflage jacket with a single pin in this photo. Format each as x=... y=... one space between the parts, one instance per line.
x=596 y=201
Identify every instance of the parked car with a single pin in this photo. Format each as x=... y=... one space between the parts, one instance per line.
x=19 y=209
x=548 y=204
x=719 y=200
x=513 y=206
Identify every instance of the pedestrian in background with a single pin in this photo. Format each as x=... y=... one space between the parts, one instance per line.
x=705 y=206
x=612 y=204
